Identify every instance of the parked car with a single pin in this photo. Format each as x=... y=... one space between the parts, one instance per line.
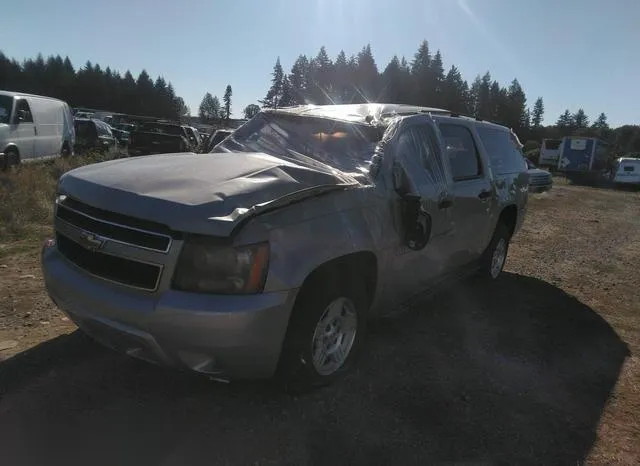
x=539 y=180
x=93 y=135
x=215 y=138
x=270 y=257
x=627 y=172
x=33 y=127
x=122 y=136
x=159 y=138
x=192 y=135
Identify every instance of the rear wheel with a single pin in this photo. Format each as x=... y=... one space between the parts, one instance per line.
x=11 y=159
x=493 y=260
x=65 y=151
x=325 y=334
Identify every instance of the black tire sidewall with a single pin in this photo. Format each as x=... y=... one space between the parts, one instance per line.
x=11 y=160
x=501 y=232
x=296 y=369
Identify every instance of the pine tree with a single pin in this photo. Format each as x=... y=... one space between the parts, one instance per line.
x=286 y=99
x=320 y=78
x=421 y=74
x=274 y=94
x=455 y=92
x=299 y=79
x=437 y=77
x=227 y=102
x=516 y=108
x=538 y=113
x=601 y=122
x=580 y=119
x=367 y=75
x=566 y=121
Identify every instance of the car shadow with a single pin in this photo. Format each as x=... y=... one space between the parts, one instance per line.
x=515 y=374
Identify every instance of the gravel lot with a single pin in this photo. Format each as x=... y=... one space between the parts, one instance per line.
x=541 y=369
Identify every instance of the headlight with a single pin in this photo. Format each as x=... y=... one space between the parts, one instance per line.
x=207 y=267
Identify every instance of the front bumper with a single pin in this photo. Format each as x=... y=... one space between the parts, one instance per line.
x=222 y=336
x=540 y=188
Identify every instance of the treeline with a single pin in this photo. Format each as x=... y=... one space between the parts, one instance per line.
x=423 y=81
x=92 y=87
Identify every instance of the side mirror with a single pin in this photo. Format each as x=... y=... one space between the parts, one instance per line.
x=416 y=222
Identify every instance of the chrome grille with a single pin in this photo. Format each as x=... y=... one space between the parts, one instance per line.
x=116 y=269
x=114 y=226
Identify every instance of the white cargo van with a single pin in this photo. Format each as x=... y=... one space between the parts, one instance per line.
x=33 y=127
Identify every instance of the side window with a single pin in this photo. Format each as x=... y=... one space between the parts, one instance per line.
x=461 y=151
x=504 y=154
x=417 y=140
x=24 y=110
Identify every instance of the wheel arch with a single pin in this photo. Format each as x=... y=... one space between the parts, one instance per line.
x=509 y=217
x=362 y=264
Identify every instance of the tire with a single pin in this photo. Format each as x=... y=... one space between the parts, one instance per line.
x=327 y=310
x=65 y=152
x=11 y=159
x=494 y=257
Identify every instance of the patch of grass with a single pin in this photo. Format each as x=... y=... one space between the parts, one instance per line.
x=27 y=195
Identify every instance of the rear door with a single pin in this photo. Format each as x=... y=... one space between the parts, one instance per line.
x=473 y=193
x=23 y=129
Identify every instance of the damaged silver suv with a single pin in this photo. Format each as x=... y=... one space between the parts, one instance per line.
x=268 y=255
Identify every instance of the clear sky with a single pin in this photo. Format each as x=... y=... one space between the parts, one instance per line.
x=573 y=53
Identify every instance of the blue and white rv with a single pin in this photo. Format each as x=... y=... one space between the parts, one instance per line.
x=580 y=155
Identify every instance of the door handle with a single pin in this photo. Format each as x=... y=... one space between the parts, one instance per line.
x=445 y=203
x=35 y=130
x=484 y=195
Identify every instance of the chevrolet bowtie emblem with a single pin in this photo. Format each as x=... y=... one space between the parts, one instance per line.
x=90 y=241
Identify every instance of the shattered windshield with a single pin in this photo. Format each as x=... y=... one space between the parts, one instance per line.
x=347 y=147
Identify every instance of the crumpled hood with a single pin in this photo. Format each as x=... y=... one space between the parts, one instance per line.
x=197 y=193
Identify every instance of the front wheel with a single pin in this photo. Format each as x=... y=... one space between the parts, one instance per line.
x=325 y=334
x=493 y=260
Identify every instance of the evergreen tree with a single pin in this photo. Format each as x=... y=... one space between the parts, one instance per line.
x=286 y=99
x=516 y=116
x=366 y=76
x=538 y=113
x=437 y=77
x=580 y=119
x=227 y=101
x=565 y=122
x=601 y=122
x=421 y=73
x=455 y=92
x=299 y=79
x=274 y=94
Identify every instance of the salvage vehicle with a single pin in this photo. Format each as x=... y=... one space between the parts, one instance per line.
x=122 y=136
x=159 y=138
x=93 y=135
x=215 y=138
x=539 y=180
x=269 y=257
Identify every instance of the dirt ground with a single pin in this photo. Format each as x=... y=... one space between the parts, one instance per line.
x=541 y=369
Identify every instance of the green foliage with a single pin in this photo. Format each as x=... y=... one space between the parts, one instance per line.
x=228 y=92
x=209 y=110
x=250 y=111
x=91 y=86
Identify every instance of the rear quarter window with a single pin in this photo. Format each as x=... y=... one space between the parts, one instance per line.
x=505 y=157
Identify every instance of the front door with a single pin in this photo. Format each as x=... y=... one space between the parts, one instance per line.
x=23 y=130
x=418 y=171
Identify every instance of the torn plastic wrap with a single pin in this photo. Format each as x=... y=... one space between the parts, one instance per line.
x=408 y=161
x=269 y=162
